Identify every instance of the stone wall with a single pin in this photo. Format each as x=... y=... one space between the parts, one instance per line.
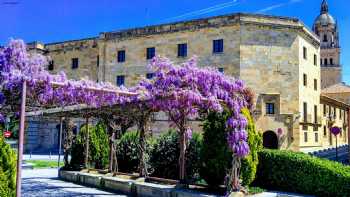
x=85 y=50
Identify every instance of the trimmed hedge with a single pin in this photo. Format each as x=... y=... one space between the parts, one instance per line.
x=7 y=169
x=302 y=173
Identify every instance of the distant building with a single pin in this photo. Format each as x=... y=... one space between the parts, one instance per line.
x=278 y=57
x=327 y=29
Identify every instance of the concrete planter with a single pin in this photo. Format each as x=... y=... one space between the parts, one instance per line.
x=118 y=185
x=153 y=190
x=126 y=186
x=90 y=179
x=71 y=176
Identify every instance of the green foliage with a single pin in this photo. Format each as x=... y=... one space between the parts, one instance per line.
x=45 y=164
x=164 y=156
x=7 y=169
x=98 y=147
x=217 y=157
x=302 y=173
x=127 y=152
x=250 y=162
x=215 y=154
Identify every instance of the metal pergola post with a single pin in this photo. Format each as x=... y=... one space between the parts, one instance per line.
x=21 y=140
x=60 y=142
x=87 y=144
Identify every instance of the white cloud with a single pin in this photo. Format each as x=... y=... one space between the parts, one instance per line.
x=272 y=7
x=203 y=11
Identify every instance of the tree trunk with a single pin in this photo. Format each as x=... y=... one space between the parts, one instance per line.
x=111 y=152
x=142 y=166
x=182 y=158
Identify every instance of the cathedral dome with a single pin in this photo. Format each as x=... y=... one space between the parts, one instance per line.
x=324 y=18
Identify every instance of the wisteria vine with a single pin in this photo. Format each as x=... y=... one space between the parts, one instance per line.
x=180 y=90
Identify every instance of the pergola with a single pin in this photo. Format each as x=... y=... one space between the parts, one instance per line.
x=179 y=90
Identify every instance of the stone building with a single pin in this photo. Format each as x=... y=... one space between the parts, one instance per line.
x=278 y=57
x=327 y=29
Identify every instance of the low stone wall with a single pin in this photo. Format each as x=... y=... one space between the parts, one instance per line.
x=129 y=187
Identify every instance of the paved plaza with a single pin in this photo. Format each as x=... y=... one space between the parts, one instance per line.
x=44 y=182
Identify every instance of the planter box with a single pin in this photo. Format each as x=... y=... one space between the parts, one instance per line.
x=117 y=185
x=90 y=179
x=153 y=190
x=188 y=193
x=71 y=176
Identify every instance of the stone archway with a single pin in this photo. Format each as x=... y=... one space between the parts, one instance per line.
x=270 y=140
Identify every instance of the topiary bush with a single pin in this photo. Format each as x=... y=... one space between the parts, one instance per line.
x=7 y=169
x=251 y=161
x=302 y=173
x=127 y=152
x=98 y=147
x=216 y=155
x=164 y=156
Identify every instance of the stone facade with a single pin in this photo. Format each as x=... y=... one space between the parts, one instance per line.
x=275 y=56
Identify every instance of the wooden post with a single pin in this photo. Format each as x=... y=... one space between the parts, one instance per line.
x=86 y=163
x=21 y=139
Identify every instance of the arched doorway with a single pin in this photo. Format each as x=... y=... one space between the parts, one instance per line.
x=270 y=140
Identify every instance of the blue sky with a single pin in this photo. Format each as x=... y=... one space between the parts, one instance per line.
x=57 y=20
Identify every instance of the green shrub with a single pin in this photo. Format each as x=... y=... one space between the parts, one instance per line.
x=217 y=157
x=164 y=156
x=127 y=152
x=250 y=162
x=302 y=173
x=215 y=154
x=98 y=147
x=7 y=169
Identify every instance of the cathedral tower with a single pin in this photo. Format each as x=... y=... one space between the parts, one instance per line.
x=327 y=29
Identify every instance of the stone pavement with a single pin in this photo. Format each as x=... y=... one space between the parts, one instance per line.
x=44 y=182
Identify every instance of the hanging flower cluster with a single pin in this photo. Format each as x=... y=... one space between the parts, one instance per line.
x=183 y=90
x=45 y=89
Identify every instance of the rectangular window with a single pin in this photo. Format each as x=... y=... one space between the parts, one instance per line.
x=335 y=113
x=325 y=62
x=315 y=113
x=182 y=50
x=315 y=59
x=324 y=110
x=75 y=63
x=120 y=80
x=331 y=61
x=221 y=70
x=324 y=131
x=304 y=79
x=149 y=75
x=305 y=52
x=321 y=61
x=270 y=108
x=305 y=111
x=121 y=56
x=305 y=136
x=218 y=46
x=315 y=84
x=316 y=137
x=51 y=65
x=151 y=52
